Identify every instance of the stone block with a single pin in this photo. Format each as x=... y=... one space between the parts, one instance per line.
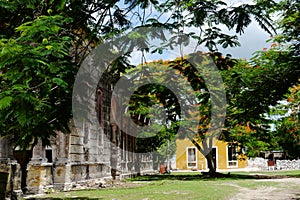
x=76 y=149
x=62 y=177
x=94 y=150
x=78 y=172
x=38 y=179
x=76 y=157
x=76 y=140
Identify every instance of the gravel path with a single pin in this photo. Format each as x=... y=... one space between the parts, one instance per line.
x=287 y=189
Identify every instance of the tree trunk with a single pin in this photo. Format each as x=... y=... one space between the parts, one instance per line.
x=210 y=164
x=209 y=157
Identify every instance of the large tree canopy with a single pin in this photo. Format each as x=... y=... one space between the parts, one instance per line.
x=256 y=85
x=252 y=87
x=43 y=43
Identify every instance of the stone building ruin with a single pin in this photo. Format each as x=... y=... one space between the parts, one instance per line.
x=86 y=156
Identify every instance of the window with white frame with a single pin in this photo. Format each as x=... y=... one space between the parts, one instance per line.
x=232 y=155
x=191 y=157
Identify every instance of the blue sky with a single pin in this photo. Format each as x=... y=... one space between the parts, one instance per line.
x=254 y=39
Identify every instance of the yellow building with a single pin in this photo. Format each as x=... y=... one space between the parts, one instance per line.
x=225 y=156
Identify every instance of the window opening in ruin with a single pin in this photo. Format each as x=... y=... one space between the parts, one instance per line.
x=49 y=155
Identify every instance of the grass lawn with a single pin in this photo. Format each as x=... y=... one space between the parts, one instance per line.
x=169 y=189
x=177 y=186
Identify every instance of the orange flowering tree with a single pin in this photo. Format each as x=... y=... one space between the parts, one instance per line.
x=252 y=87
x=288 y=125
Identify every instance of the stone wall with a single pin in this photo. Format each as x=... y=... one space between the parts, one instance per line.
x=39 y=178
x=8 y=164
x=14 y=178
x=257 y=163
x=288 y=164
x=262 y=164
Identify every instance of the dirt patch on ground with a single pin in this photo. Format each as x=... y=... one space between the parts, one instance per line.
x=287 y=189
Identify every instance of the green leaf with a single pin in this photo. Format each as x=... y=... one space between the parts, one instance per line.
x=18 y=87
x=43 y=62
x=45 y=41
x=22 y=119
x=5 y=102
x=49 y=47
x=59 y=82
x=54 y=28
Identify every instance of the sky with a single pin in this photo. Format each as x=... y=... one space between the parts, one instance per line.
x=254 y=39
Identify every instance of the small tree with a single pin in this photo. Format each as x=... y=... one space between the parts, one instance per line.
x=36 y=81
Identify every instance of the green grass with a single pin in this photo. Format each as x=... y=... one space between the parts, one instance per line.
x=176 y=186
x=169 y=189
x=290 y=173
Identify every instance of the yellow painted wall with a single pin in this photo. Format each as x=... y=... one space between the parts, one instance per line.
x=221 y=147
x=242 y=161
x=221 y=156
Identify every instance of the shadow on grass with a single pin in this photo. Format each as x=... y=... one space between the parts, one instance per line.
x=220 y=176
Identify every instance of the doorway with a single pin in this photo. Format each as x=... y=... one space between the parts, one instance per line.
x=215 y=156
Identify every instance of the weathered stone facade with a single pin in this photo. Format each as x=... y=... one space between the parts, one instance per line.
x=86 y=156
